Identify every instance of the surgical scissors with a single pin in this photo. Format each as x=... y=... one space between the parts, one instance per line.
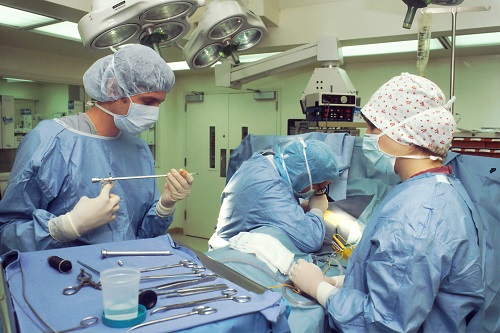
x=227 y=294
x=182 y=263
x=84 y=323
x=201 y=310
x=85 y=279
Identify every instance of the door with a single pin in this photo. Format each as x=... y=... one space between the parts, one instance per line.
x=214 y=127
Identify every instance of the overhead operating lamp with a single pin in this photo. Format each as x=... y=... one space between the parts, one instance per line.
x=413 y=5
x=153 y=23
x=329 y=94
x=226 y=28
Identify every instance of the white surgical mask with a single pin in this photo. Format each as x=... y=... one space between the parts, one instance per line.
x=139 y=117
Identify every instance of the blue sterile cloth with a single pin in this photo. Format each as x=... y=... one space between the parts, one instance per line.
x=304 y=314
x=44 y=286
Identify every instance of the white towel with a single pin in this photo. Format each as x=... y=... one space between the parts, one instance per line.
x=266 y=248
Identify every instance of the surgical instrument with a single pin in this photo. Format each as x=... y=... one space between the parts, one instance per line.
x=105 y=253
x=200 y=310
x=85 y=279
x=84 y=323
x=196 y=273
x=182 y=263
x=93 y=270
x=227 y=295
x=112 y=179
x=23 y=286
x=184 y=283
x=192 y=291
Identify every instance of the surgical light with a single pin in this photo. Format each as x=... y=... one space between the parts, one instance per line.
x=413 y=5
x=149 y=22
x=225 y=28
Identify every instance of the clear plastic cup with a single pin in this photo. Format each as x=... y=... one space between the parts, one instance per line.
x=120 y=292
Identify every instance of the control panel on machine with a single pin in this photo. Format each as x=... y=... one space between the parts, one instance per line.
x=329 y=96
x=330 y=107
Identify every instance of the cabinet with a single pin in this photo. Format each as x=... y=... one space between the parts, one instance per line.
x=477 y=143
x=8 y=123
x=18 y=117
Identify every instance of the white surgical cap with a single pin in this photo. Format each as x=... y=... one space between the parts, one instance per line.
x=412 y=110
x=132 y=70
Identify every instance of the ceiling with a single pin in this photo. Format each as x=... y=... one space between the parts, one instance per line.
x=285 y=34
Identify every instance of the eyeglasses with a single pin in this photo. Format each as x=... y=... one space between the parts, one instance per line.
x=321 y=191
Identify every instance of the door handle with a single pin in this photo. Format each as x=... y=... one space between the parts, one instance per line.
x=223 y=159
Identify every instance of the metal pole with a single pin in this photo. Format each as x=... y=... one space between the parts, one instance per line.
x=452 y=70
x=453 y=11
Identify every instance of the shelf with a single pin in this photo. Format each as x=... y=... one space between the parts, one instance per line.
x=343 y=124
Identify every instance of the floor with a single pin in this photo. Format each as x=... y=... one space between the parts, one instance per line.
x=199 y=244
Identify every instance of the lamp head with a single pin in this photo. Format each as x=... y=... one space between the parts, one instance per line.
x=413 y=5
x=226 y=27
x=115 y=22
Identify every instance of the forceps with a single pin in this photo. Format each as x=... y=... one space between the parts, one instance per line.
x=182 y=263
x=201 y=310
x=196 y=272
x=84 y=323
x=227 y=294
x=85 y=279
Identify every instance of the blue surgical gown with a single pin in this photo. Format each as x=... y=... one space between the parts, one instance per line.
x=53 y=169
x=256 y=195
x=418 y=266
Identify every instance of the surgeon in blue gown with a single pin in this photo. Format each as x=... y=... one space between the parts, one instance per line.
x=419 y=264
x=50 y=201
x=266 y=189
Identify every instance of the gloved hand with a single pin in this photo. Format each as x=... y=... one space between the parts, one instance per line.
x=336 y=281
x=87 y=215
x=318 y=202
x=306 y=276
x=176 y=188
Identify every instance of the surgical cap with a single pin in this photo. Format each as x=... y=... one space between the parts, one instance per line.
x=412 y=110
x=132 y=70
x=321 y=161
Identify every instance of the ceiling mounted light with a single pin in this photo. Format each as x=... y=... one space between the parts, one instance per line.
x=149 y=22
x=225 y=28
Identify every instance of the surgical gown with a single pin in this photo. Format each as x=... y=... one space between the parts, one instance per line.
x=418 y=266
x=256 y=195
x=53 y=169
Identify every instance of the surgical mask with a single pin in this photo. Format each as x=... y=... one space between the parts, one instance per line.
x=139 y=117
x=383 y=161
x=311 y=191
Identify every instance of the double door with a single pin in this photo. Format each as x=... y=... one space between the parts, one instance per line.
x=214 y=127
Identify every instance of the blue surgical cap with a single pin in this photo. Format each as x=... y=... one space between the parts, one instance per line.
x=132 y=70
x=320 y=158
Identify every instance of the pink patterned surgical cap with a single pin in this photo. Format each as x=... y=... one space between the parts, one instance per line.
x=412 y=110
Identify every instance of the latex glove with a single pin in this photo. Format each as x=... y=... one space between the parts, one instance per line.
x=336 y=281
x=87 y=215
x=176 y=188
x=306 y=276
x=319 y=202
